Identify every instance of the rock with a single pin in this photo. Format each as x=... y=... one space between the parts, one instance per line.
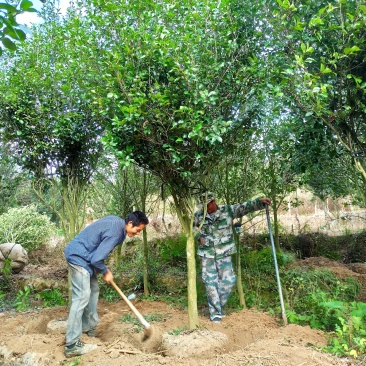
x=57 y=326
x=114 y=354
x=17 y=254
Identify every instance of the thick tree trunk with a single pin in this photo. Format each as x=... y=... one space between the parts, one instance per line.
x=192 y=286
x=239 y=282
x=184 y=209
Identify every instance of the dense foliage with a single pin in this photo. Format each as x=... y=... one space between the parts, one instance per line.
x=25 y=226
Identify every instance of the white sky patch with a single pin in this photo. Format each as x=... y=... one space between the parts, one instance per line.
x=32 y=18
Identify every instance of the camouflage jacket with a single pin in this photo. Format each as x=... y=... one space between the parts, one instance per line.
x=215 y=238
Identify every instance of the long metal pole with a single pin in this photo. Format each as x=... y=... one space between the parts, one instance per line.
x=276 y=266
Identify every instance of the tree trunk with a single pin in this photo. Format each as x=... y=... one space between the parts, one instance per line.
x=144 y=236
x=192 y=287
x=239 y=282
x=184 y=208
x=146 y=268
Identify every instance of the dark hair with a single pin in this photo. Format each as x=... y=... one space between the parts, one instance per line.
x=137 y=218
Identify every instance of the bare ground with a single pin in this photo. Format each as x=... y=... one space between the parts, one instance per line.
x=253 y=338
x=244 y=338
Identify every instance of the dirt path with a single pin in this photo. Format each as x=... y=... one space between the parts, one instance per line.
x=250 y=338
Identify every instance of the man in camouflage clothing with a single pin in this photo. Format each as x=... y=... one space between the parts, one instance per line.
x=216 y=245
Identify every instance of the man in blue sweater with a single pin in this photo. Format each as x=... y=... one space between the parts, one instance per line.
x=85 y=256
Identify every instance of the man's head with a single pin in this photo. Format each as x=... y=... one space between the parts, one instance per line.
x=209 y=199
x=135 y=223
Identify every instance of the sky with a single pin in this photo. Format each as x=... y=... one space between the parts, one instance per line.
x=32 y=18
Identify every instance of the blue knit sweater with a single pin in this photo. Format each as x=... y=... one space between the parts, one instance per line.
x=91 y=247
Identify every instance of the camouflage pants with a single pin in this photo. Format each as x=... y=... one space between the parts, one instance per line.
x=219 y=278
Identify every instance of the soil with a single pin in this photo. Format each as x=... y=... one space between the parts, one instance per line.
x=246 y=337
x=243 y=338
x=252 y=338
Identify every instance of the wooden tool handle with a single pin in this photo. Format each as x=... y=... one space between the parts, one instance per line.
x=129 y=303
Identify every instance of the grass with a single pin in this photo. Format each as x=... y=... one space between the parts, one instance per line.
x=150 y=318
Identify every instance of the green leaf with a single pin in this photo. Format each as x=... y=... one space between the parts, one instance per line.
x=9 y=8
x=20 y=34
x=25 y=4
x=363 y=8
x=353 y=49
x=334 y=305
x=15 y=33
x=9 y=44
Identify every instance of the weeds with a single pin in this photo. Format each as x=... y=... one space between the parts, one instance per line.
x=51 y=297
x=178 y=330
x=107 y=292
x=150 y=318
x=22 y=301
x=349 y=336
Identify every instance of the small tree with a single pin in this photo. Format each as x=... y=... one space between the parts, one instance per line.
x=178 y=80
x=47 y=114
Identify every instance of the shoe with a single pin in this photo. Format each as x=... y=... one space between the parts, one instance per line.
x=90 y=333
x=216 y=319
x=78 y=349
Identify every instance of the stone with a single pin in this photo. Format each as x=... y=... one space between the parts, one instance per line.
x=57 y=326
x=17 y=254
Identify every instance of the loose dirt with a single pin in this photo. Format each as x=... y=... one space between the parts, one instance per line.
x=245 y=338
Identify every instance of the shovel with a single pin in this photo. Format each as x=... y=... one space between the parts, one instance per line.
x=147 y=326
x=275 y=262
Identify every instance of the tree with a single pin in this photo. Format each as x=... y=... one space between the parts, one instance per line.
x=322 y=51
x=11 y=178
x=47 y=114
x=176 y=78
x=275 y=149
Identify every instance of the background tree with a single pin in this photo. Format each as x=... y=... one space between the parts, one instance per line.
x=48 y=115
x=322 y=52
x=11 y=178
x=120 y=189
x=276 y=152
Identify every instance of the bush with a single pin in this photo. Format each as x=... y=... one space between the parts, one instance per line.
x=262 y=260
x=25 y=226
x=173 y=250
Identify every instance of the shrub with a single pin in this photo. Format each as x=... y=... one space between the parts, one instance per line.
x=25 y=226
x=51 y=297
x=173 y=250
x=263 y=261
